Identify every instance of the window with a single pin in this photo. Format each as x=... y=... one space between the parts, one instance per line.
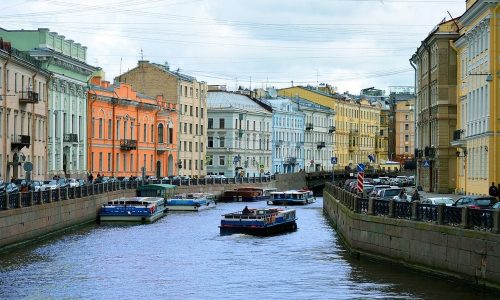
x=160 y=133
x=190 y=110
x=210 y=123
x=196 y=164
x=80 y=127
x=100 y=161
x=210 y=142
x=170 y=135
x=117 y=130
x=407 y=126
x=201 y=164
x=406 y=117
x=131 y=130
x=185 y=128
x=222 y=142
x=109 y=162
x=222 y=160
x=15 y=82
x=152 y=133
x=125 y=129
x=190 y=92
x=221 y=123
x=124 y=162
x=407 y=138
x=110 y=130
x=151 y=163
x=144 y=134
x=196 y=96
x=407 y=149
x=132 y=162
x=7 y=80
x=92 y=161
x=117 y=168
x=144 y=161
x=190 y=128
x=201 y=129
x=100 y=128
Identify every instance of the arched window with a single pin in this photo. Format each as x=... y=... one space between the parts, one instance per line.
x=160 y=133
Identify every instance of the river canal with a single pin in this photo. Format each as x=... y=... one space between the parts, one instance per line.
x=182 y=256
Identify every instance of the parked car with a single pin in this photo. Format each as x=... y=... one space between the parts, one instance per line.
x=378 y=188
x=49 y=185
x=72 y=182
x=496 y=205
x=9 y=188
x=368 y=188
x=388 y=194
x=475 y=202
x=82 y=182
x=35 y=185
x=438 y=200
x=63 y=183
x=20 y=182
x=102 y=179
x=152 y=178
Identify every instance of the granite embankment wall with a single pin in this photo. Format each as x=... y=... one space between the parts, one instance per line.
x=30 y=223
x=36 y=219
x=450 y=251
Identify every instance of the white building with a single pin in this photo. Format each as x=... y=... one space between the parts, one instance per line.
x=239 y=135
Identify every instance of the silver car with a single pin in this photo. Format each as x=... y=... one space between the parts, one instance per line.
x=49 y=185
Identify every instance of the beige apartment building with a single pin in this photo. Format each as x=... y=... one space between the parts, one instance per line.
x=190 y=96
x=23 y=115
x=404 y=128
x=436 y=79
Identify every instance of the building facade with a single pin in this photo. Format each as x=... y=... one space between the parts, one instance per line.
x=436 y=109
x=357 y=123
x=129 y=131
x=319 y=137
x=475 y=138
x=190 y=97
x=288 y=136
x=67 y=95
x=404 y=129
x=23 y=114
x=239 y=135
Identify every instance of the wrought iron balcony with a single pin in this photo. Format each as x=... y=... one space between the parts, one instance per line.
x=240 y=132
x=321 y=145
x=128 y=144
x=309 y=126
x=162 y=147
x=20 y=141
x=70 y=138
x=332 y=129
x=291 y=160
x=457 y=135
x=429 y=152
x=28 y=97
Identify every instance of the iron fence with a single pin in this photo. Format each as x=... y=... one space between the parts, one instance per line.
x=402 y=210
x=481 y=219
x=381 y=207
x=427 y=212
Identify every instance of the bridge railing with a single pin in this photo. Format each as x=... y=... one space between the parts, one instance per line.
x=463 y=217
x=26 y=199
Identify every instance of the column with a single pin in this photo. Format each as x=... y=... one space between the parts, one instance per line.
x=79 y=93
x=53 y=125
x=61 y=124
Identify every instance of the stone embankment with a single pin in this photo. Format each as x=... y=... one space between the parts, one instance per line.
x=454 y=242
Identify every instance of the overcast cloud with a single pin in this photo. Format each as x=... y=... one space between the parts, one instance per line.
x=351 y=44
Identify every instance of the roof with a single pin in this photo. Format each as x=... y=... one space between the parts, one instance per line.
x=225 y=100
x=156 y=187
x=176 y=73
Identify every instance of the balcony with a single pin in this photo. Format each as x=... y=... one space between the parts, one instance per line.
x=353 y=147
x=279 y=143
x=332 y=129
x=162 y=147
x=429 y=152
x=299 y=145
x=20 y=141
x=458 y=139
x=309 y=126
x=291 y=160
x=240 y=132
x=28 y=97
x=70 y=138
x=128 y=144
x=321 y=145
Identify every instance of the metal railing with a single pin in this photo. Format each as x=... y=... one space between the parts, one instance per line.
x=464 y=217
x=26 y=199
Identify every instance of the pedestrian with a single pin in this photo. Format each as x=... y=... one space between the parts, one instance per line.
x=402 y=195
x=415 y=196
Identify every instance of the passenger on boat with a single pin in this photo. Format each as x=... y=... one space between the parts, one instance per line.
x=246 y=211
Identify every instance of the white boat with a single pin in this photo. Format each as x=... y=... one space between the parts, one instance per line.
x=191 y=202
x=292 y=197
x=135 y=209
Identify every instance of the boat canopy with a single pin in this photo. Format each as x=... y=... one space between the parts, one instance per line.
x=155 y=190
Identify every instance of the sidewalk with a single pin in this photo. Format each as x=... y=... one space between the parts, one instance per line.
x=429 y=195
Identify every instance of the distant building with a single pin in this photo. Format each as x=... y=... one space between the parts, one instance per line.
x=239 y=135
x=67 y=96
x=190 y=97
x=23 y=114
x=436 y=109
x=288 y=135
x=129 y=131
x=356 y=127
x=404 y=131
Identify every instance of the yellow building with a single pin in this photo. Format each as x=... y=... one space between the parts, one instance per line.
x=404 y=130
x=357 y=125
x=478 y=147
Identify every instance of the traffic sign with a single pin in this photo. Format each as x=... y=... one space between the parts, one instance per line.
x=361 y=167
x=27 y=166
x=426 y=164
x=334 y=160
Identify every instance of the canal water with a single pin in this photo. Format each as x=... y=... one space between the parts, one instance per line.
x=182 y=256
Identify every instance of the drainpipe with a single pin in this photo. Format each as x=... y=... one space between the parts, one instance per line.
x=415 y=136
x=452 y=46
x=5 y=88
x=493 y=64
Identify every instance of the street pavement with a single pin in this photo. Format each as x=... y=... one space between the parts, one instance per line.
x=423 y=195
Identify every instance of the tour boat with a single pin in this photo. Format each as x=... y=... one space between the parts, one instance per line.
x=262 y=221
x=135 y=209
x=247 y=194
x=292 y=197
x=191 y=202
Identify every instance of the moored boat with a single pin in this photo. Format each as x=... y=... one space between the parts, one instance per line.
x=262 y=221
x=292 y=197
x=135 y=209
x=191 y=202
x=247 y=194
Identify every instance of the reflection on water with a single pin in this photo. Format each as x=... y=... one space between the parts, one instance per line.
x=182 y=256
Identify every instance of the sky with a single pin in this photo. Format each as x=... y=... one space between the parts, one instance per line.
x=349 y=44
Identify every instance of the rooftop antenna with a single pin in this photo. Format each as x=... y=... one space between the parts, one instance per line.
x=121 y=60
x=453 y=19
x=142 y=54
